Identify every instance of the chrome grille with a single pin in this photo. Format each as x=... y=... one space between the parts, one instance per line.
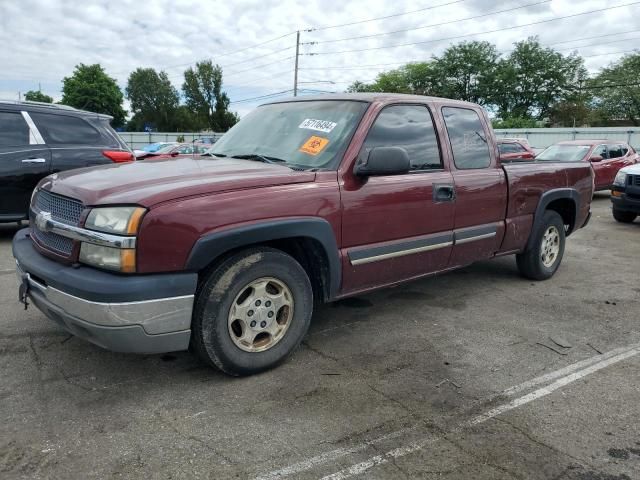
x=61 y=208
x=53 y=241
x=634 y=180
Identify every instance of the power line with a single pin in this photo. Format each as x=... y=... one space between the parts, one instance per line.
x=358 y=22
x=258 y=66
x=609 y=53
x=270 y=77
x=473 y=34
x=594 y=44
x=590 y=38
x=393 y=32
x=261 y=97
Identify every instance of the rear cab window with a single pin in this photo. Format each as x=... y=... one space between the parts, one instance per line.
x=409 y=127
x=65 y=129
x=468 y=138
x=14 y=130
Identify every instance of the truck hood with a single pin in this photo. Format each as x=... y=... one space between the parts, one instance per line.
x=151 y=182
x=632 y=169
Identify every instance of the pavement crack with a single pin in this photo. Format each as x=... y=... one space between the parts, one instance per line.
x=320 y=352
x=193 y=438
x=483 y=460
x=539 y=442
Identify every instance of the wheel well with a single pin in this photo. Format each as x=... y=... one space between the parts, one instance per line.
x=566 y=208
x=308 y=252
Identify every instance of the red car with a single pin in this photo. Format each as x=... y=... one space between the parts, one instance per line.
x=515 y=149
x=606 y=157
x=305 y=200
x=174 y=150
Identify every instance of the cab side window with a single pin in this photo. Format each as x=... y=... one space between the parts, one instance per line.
x=409 y=127
x=14 y=131
x=468 y=138
x=615 y=151
x=600 y=150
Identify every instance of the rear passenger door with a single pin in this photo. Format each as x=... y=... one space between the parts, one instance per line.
x=24 y=161
x=602 y=170
x=481 y=189
x=74 y=142
x=396 y=227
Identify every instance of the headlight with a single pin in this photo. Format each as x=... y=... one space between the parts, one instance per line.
x=117 y=220
x=621 y=179
x=118 y=259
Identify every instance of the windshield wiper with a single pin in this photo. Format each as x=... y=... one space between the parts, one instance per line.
x=260 y=158
x=211 y=154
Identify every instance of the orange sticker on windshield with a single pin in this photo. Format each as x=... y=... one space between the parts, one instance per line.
x=314 y=145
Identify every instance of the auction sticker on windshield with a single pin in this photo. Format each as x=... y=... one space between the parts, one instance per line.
x=314 y=145
x=319 y=125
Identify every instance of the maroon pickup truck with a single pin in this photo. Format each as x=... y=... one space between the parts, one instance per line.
x=305 y=200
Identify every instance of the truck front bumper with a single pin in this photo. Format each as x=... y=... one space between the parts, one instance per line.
x=122 y=313
x=626 y=203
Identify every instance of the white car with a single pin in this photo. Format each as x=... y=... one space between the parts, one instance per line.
x=625 y=194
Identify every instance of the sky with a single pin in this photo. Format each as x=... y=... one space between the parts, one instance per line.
x=254 y=40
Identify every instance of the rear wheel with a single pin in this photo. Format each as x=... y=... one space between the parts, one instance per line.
x=543 y=258
x=624 y=217
x=252 y=311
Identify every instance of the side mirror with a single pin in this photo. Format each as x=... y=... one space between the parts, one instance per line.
x=596 y=158
x=384 y=161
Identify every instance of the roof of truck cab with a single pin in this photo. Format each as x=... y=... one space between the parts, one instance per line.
x=370 y=98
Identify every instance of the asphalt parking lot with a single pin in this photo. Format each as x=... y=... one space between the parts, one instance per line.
x=477 y=374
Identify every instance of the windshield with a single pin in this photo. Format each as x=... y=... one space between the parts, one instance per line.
x=564 y=153
x=304 y=134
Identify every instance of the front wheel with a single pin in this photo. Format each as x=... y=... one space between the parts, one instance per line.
x=624 y=217
x=543 y=258
x=252 y=311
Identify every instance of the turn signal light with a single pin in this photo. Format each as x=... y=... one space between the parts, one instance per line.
x=616 y=193
x=118 y=156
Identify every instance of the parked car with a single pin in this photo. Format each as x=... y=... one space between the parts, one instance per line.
x=305 y=200
x=625 y=194
x=607 y=157
x=206 y=140
x=154 y=147
x=37 y=139
x=174 y=150
x=515 y=149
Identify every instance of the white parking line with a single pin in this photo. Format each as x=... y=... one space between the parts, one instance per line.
x=563 y=377
x=362 y=467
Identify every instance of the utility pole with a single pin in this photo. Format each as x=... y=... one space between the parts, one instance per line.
x=295 y=72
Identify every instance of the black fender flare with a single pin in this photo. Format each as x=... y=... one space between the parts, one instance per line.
x=546 y=199
x=211 y=246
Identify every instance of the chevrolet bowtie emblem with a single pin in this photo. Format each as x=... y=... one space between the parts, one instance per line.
x=42 y=221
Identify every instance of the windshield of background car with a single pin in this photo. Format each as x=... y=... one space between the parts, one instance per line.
x=564 y=153
x=311 y=134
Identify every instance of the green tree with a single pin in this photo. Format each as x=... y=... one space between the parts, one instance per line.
x=616 y=91
x=533 y=78
x=467 y=71
x=420 y=78
x=153 y=100
x=202 y=89
x=37 y=96
x=90 y=88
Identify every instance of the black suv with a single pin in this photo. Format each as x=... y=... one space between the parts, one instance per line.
x=37 y=139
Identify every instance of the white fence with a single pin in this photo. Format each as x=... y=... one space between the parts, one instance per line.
x=140 y=139
x=543 y=137
x=538 y=137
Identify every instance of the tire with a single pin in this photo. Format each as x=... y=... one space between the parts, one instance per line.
x=536 y=263
x=264 y=286
x=624 y=217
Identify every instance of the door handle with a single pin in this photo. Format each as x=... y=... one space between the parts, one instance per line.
x=34 y=160
x=444 y=193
